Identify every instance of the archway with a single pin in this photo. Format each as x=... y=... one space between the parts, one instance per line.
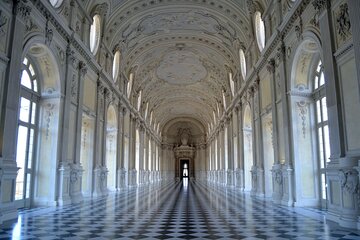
x=307 y=124
x=248 y=147
x=111 y=147
x=38 y=125
x=87 y=153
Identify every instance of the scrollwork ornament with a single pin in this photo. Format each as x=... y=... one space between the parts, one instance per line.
x=343 y=24
x=271 y=66
x=82 y=68
x=320 y=5
x=349 y=181
x=278 y=177
x=21 y=9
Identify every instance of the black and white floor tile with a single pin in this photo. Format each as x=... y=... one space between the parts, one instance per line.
x=177 y=210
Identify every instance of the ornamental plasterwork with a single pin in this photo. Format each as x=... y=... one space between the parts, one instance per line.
x=3 y=30
x=181 y=67
x=303 y=110
x=342 y=24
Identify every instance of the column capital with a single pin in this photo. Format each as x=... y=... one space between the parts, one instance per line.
x=21 y=9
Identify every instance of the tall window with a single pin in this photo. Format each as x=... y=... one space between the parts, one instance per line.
x=129 y=84
x=27 y=129
x=322 y=127
x=242 y=63
x=232 y=84
x=116 y=65
x=95 y=34
x=259 y=30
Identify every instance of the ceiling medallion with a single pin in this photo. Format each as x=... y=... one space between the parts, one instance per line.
x=181 y=67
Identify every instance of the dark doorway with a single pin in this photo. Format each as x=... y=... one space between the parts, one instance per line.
x=184 y=169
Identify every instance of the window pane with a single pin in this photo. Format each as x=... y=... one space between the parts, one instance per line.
x=20 y=160
x=327 y=143
x=35 y=85
x=24 y=110
x=32 y=72
x=319 y=67
x=324 y=109
x=28 y=179
x=318 y=111
x=316 y=82
x=25 y=62
x=33 y=113
x=322 y=79
x=25 y=79
x=31 y=147
x=321 y=148
x=323 y=186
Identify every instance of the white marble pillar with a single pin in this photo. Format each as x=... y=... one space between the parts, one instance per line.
x=120 y=178
x=9 y=111
x=99 y=141
x=76 y=168
x=287 y=167
x=345 y=213
x=354 y=9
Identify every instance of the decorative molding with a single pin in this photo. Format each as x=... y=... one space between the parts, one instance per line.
x=303 y=110
x=271 y=65
x=343 y=24
x=320 y=5
x=349 y=180
x=49 y=113
x=22 y=10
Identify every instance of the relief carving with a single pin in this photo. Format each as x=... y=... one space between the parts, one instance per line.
x=302 y=108
x=349 y=180
x=48 y=116
x=343 y=24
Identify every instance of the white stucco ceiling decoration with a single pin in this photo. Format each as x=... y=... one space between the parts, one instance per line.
x=180 y=49
x=181 y=67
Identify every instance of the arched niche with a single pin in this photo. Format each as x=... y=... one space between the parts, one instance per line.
x=111 y=146
x=307 y=177
x=248 y=146
x=185 y=134
x=46 y=161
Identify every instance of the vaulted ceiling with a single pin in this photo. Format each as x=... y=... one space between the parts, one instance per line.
x=180 y=51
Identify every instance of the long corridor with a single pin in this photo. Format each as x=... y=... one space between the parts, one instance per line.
x=178 y=210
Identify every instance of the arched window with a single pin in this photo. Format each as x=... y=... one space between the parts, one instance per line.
x=242 y=63
x=27 y=129
x=139 y=100
x=322 y=127
x=116 y=66
x=259 y=30
x=232 y=84
x=56 y=3
x=95 y=34
x=224 y=99
x=129 y=85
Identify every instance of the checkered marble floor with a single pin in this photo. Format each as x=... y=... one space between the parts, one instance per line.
x=178 y=210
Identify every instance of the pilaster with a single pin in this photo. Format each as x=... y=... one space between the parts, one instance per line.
x=354 y=9
x=9 y=115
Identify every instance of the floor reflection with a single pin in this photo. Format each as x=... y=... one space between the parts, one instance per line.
x=180 y=210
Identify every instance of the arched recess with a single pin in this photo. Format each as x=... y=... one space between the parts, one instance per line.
x=87 y=153
x=248 y=147
x=40 y=174
x=111 y=147
x=303 y=117
x=126 y=140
